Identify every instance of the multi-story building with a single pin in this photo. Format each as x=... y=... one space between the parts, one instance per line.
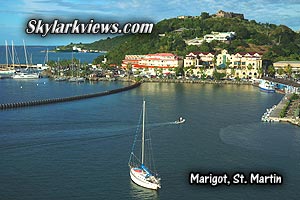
x=242 y=65
x=153 y=64
x=131 y=60
x=199 y=59
x=295 y=66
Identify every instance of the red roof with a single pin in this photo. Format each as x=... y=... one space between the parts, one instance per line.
x=146 y=66
x=161 y=54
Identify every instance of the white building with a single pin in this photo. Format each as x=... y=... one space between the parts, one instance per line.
x=196 y=41
x=219 y=36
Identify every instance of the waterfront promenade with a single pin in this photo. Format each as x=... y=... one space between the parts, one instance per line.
x=274 y=114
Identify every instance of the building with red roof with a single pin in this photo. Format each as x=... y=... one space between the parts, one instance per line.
x=166 y=62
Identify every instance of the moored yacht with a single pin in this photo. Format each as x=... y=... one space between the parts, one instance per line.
x=266 y=86
x=24 y=75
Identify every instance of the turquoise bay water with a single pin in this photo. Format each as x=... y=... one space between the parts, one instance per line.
x=80 y=149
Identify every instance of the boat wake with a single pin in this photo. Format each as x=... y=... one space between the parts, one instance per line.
x=79 y=134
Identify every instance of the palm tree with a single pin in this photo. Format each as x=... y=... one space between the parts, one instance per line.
x=288 y=70
x=271 y=70
x=214 y=62
x=129 y=69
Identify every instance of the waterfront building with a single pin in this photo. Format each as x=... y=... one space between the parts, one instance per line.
x=283 y=65
x=242 y=64
x=152 y=64
x=199 y=59
x=131 y=60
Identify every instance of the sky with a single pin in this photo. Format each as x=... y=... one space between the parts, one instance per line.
x=14 y=15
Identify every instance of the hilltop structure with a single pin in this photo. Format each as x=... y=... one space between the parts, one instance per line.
x=224 y=14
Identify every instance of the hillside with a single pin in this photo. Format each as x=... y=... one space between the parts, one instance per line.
x=275 y=42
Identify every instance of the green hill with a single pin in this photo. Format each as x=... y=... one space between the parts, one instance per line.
x=276 y=42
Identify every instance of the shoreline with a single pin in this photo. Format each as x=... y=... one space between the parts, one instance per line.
x=273 y=114
x=148 y=80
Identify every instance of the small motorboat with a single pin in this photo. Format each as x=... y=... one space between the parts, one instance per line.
x=180 y=120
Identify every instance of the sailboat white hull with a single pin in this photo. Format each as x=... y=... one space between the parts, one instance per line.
x=139 y=179
x=25 y=76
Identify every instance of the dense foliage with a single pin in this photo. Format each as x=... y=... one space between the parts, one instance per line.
x=275 y=42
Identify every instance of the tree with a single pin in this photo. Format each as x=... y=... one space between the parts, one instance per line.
x=288 y=70
x=271 y=70
x=260 y=71
x=218 y=76
x=280 y=71
x=204 y=15
x=129 y=69
x=227 y=64
x=179 y=71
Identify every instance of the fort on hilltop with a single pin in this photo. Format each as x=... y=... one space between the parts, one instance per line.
x=220 y=14
x=224 y=14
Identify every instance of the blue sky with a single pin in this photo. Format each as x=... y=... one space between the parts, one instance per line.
x=14 y=15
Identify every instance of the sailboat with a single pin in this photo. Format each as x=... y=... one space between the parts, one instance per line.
x=6 y=72
x=27 y=74
x=78 y=78
x=59 y=77
x=140 y=174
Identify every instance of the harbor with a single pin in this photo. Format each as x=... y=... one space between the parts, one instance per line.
x=83 y=146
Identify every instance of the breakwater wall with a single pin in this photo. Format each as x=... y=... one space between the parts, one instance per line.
x=66 y=99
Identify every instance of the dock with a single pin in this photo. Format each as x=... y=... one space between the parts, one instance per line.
x=274 y=114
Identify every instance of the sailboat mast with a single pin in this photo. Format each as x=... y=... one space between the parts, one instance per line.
x=13 y=53
x=58 y=67
x=143 y=131
x=25 y=54
x=46 y=58
x=72 y=66
x=6 y=50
